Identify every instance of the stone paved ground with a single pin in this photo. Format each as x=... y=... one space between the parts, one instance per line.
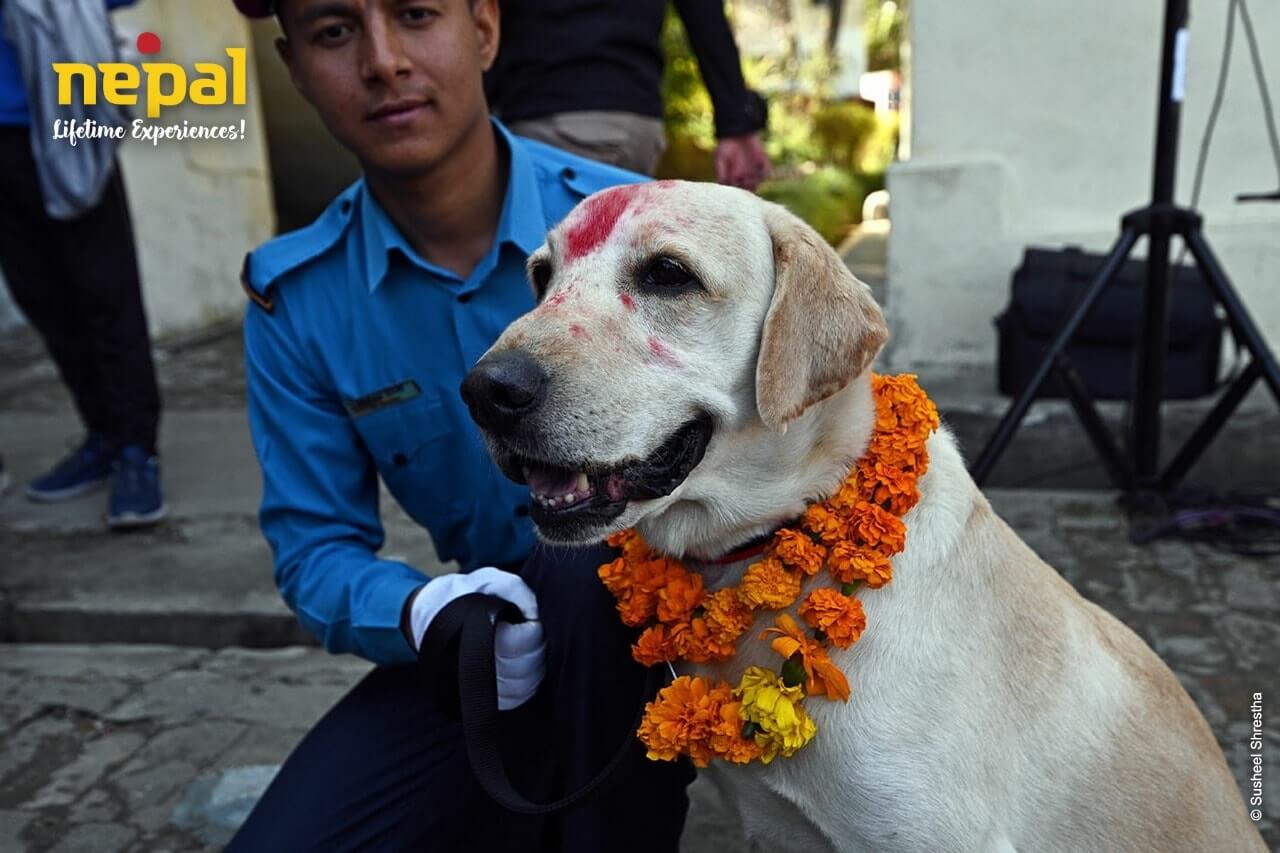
x=128 y=747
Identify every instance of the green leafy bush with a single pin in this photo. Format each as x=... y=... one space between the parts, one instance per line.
x=827 y=154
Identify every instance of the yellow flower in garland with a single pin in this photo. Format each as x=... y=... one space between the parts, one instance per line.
x=769 y=584
x=798 y=552
x=783 y=725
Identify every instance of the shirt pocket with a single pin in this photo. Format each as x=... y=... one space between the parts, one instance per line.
x=411 y=446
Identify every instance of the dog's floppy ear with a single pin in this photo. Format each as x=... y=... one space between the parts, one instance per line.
x=823 y=328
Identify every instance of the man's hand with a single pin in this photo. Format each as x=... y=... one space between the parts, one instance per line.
x=519 y=650
x=741 y=161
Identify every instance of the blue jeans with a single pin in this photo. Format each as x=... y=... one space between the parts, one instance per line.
x=386 y=769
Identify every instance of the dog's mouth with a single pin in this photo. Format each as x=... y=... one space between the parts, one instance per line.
x=571 y=501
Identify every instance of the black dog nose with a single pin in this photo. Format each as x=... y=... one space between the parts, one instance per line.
x=502 y=388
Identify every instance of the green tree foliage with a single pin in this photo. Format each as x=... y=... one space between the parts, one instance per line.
x=827 y=154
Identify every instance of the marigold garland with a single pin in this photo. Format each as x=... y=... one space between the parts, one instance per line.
x=853 y=535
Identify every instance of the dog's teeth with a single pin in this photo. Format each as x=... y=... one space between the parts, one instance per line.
x=583 y=483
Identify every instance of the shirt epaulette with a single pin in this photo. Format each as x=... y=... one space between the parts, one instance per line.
x=265 y=265
x=578 y=177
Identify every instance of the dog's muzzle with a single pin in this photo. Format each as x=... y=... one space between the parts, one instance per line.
x=504 y=388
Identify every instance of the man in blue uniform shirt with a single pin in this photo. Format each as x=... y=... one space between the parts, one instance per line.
x=361 y=329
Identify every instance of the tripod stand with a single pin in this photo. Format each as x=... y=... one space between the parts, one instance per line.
x=1135 y=469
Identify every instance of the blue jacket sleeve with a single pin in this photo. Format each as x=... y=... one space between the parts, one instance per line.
x=116 y=4
x=320 y=502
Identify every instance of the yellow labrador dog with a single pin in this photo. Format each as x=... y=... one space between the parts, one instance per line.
x=698 y=368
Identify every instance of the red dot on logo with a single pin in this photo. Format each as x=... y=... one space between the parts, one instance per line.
x=148 y=43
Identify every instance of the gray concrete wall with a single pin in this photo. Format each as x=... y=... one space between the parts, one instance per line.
x=1033 y=123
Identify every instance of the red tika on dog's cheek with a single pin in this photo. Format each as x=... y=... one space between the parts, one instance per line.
x=597 y=221
x=627 y=301
x=663 y=354
x=579 y=332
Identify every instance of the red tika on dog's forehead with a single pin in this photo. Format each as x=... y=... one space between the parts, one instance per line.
x=594 y=222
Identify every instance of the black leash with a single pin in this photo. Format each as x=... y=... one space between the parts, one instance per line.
x=463 y=633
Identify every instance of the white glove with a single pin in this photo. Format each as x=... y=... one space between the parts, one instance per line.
x=518 y=650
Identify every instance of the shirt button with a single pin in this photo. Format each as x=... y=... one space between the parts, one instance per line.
x=400 y=459
x=464 y=297
x=522 y=511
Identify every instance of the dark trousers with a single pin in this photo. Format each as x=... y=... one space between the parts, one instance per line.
x=77 y=283
x=386 y=769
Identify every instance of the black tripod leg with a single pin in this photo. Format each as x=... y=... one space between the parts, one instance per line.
x=1209 y=427
x=1242 y=325
x=1095 y=428
x=1018 y=409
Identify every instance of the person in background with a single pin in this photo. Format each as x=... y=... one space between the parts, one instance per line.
x=359 y=331
x=586 y=76
x=77 y=283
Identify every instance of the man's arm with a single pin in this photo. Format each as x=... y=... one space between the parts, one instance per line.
x=320 y=502
x=740 y=114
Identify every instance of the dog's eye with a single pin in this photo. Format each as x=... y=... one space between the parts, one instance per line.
x=540 y=275
x=668 y=276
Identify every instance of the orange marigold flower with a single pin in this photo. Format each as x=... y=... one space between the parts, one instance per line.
x=848 y=495
x=888 y=486
x=652 y=575
x=653 y=647
x=727 y=741
x=838 y=616
x=681 y=719
x=872 y=527
x=797 y=551
x=829 y=526
x=822 y=677
x=632 y=545
x=768 y=584
x=682 y=593
x=727 y=617
x=692 y=641
x=616 y=576
x=637 y=608
x=849 y=563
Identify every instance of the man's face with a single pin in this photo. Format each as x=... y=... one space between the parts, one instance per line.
x=398 y=82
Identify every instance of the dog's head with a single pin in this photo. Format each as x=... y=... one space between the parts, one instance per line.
x=672 y=318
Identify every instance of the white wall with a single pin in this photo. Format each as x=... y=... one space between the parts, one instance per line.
x=1033 y=123
x=197 y=205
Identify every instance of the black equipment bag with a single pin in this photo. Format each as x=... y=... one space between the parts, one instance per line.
x=1047 y=286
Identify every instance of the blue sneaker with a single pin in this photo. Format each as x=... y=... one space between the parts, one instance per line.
x=136 y=499
x=87 y=467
